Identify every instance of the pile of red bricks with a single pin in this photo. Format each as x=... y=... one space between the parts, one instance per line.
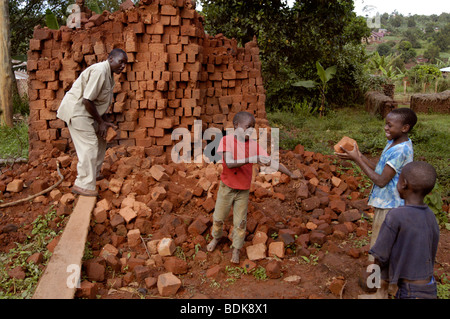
x=176 y=74
x=145 y=204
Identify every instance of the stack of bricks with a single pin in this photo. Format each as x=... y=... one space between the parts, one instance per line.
x=176 y=74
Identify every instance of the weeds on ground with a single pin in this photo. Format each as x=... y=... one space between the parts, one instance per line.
x=443 y=288
x=14 y=141
x=41 y=235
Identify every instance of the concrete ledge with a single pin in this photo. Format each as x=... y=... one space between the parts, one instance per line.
x=60 y=278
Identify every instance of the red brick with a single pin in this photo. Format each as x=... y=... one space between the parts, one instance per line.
x=168 y=10
x=168 y=284
x=345 y=142
x=46 y=75
x=311 y=203
x=337 y=206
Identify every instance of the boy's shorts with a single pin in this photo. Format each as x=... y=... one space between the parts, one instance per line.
x=228 y=197
x=378 y=219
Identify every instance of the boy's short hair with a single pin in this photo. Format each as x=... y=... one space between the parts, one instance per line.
x=240 y=116
x=407 y=115
x=421 y=176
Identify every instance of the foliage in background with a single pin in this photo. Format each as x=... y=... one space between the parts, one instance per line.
x=319 y=134
x=325 y=76
x=26 y=14
x=291 y=40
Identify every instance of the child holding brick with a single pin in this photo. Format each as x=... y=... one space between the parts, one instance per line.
x=384 y=174
x=239 y=154
x=408 y=240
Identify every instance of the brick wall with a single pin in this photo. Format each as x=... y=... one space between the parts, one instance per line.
x=176 y=74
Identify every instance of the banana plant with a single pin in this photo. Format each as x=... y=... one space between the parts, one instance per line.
x=325 y=76
x=391 y=74
x=50 y=20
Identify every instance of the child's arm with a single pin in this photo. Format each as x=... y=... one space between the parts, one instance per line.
x=345 y=156
x=283 y=169
x=232 y=163
x=368 y=168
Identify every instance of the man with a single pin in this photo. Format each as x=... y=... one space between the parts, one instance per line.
x=83 y=108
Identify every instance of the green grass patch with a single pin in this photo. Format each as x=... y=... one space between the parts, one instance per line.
x=319 y=134
x=41 y=235
x=14 y=140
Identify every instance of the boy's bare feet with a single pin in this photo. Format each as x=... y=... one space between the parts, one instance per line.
x=212 y=244
x=235 y=256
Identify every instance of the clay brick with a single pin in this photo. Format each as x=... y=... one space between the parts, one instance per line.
x=259 y=238
x=197 y=227
x=168 y=10
x=134 y=237
x=317 y=237
x=256 y=252
x=158 y=193
x=337 y=205
x=109 y=249
x=36 y=45
x=311 y=203
x=176 y=265
x=42 y=34
x=168 y=284
x=87 y=290
x=345 y=142
x=115 y=185
x=128 y=214
x=157 y=172
x=45 y=75
x=276 y=249
x=99 y=215
x=349 y=216
x=166 y=247
x=15 y=186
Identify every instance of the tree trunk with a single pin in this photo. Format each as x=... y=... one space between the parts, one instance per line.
x=6 y=74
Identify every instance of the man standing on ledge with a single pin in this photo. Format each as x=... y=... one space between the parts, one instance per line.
x=83 y=109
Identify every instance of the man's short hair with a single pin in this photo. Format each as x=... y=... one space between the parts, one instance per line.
x=407 y=115
x=115 y=52
x=421 y=176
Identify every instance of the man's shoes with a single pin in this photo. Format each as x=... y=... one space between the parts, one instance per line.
x=83 y=191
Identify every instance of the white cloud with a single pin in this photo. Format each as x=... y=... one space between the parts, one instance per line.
x=404 y=7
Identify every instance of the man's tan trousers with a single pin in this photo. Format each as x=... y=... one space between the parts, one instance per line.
x=90 y=150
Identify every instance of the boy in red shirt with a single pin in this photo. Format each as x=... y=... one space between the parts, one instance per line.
x=239 y=154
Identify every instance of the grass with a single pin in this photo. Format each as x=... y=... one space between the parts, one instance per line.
x=14 y=140
x=429 y=137
x=41 y=235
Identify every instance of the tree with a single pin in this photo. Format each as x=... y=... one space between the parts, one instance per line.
x=384 y=49
x=292 y=39
x=432 y=53
x=26 y=14
x=6 y=74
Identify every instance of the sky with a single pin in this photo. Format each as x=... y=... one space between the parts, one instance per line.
x=405 y=7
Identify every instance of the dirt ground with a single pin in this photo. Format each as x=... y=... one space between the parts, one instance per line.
x=331 y=270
